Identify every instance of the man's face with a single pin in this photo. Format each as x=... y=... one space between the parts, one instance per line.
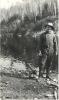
x=48 y=28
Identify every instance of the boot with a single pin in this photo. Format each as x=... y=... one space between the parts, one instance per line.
x=47 y=76
x=40 y=73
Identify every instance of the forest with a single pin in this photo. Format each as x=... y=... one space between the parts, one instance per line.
x=20 y=28
x=22 y=24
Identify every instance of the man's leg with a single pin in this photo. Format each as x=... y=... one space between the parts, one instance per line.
x=48 y=64
x=42 y=64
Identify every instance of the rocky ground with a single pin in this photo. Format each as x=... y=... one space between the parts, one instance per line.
x=16 y=84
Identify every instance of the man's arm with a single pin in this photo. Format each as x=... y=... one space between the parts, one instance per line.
x=55 y=44
x=40 y=44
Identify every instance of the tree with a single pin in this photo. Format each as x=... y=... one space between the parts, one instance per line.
x=45 y=10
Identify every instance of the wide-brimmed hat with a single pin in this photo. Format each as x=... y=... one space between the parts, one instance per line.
x=50 y=24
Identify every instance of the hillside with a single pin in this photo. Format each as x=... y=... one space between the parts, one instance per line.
x=14 y=24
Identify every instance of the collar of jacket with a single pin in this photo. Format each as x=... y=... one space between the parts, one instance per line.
x=48 y=32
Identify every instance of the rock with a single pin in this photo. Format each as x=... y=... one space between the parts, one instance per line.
x=7 y=82
x=1 y=88
x=49 y=95
x=34 y=87
x=36 y=99
x=50 y=71
x=3 y=97
x=48 y=81
x=44 y=75
x=36 y=77
x=54 y=80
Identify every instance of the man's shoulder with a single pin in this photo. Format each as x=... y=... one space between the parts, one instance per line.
x=53 y=34
x=43 y=34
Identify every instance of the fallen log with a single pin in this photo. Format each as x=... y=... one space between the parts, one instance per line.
x=31 y=67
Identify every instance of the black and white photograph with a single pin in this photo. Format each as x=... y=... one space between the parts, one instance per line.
x=29 y=50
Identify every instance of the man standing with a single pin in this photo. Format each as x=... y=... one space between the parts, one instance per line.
x=47 y=48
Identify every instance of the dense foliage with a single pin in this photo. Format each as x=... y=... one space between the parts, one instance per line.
x=21 y=26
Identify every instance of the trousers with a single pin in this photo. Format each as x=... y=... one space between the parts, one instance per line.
x=45 y=63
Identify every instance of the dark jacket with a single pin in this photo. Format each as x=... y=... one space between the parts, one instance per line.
x=48 y=42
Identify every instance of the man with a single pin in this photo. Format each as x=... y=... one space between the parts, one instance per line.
x=47 y=48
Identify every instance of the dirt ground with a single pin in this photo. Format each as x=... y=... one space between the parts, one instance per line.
x=19 y=86
x=15 y=83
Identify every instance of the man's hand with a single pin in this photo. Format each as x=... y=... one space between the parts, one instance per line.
x=55 y=53
x=40 y=54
